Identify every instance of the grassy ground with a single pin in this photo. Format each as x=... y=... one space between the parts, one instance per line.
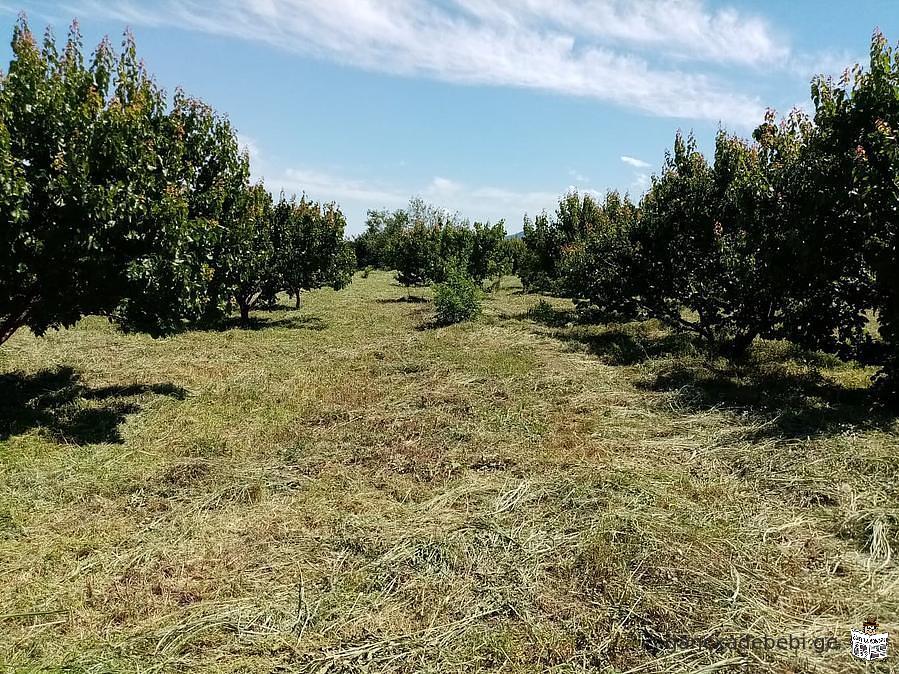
x=344 y=488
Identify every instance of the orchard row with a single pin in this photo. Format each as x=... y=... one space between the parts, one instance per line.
x=791 y=235
x=114 y=202
x=117 y=202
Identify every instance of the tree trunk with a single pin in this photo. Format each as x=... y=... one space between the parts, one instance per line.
x=299 y=299
x=8 y=328
x=739 y=345
x=244 y=312
x=13 y=321
x=211 y=310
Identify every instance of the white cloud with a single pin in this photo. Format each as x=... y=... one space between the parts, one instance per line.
x=442 y=187
x=325 y=186
x=641 y=177
x=596 y=194
x=476 y=202
x=498 y=200
x=610 y=50
x=641 y=182
x=636 y=163
x=828 y=63
x=249 y=144
x=683 y=28
x=578 y=176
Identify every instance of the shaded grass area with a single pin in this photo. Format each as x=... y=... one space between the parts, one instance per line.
x=263 y=321
x=798 y=393
x=58 y=402
x=339 y=491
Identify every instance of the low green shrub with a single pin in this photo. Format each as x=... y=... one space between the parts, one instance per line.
x=543 y=312
x=457 y=299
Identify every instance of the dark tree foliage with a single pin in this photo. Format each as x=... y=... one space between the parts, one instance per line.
x=792 y=234
x=547 y=238
x=185 y=281
x=708 y=241
x=597 y=269
x=490 y=257
x=415 y=256
x=433 y=242
x=310 y=250
x=712 y=248
x=855 y=153
x=115 y=204
x=376 y=247
x=85 y=150
x=513 y=252
x=251 y=255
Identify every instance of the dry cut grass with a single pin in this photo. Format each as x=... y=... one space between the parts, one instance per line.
x=344 y=489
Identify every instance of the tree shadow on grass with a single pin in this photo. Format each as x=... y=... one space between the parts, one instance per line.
x=269 y=308
x=613 y=343
x=407 y=299
x=544 y=314
x=428 y=324
x=617 y=346
x=297 y=322
x=60 y=403
x=789 y=392
x=792 y=401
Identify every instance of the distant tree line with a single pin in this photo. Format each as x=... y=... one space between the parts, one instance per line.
x=424 y=244
x=793 y=234
x=116 y=203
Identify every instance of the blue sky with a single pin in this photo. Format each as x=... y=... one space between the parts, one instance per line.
x=490 y=107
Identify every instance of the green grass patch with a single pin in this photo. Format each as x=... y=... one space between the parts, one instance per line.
x=345 y=488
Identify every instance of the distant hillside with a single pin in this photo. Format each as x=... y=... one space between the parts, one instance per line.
x=516 y=235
